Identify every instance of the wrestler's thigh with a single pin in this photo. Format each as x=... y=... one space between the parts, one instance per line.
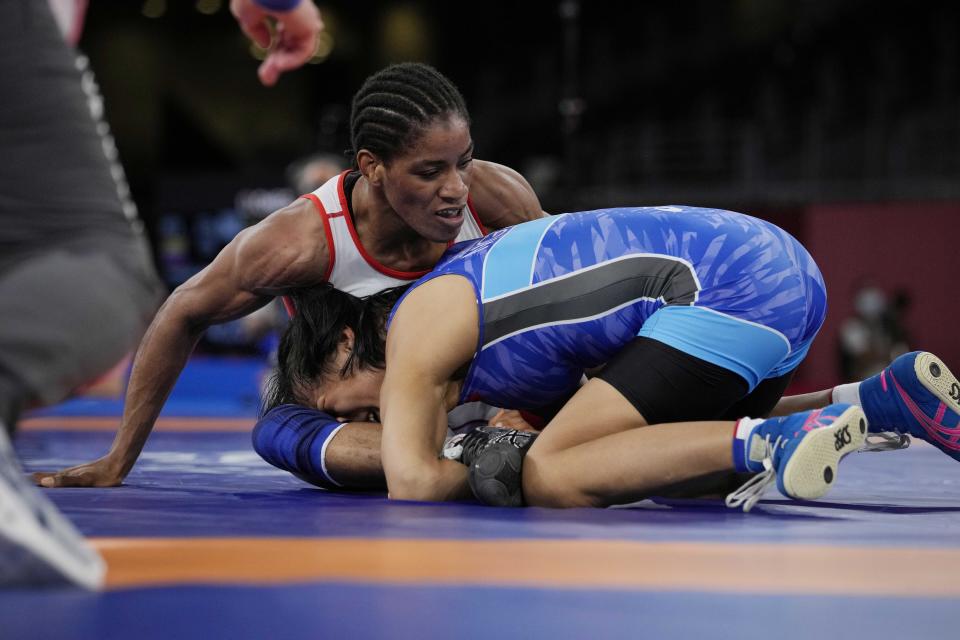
x=647 y=382
x=594 y=411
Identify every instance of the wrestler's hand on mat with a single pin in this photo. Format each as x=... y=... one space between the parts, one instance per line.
x=295 y=40
x=99 y=473
x=510 y=419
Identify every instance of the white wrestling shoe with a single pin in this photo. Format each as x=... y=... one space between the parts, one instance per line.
x=38 y=545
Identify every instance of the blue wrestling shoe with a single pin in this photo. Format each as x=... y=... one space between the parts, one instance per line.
x=915 y=395
x=801 y=452
x=38 y=546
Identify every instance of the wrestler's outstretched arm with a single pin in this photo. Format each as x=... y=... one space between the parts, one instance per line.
x=419 y=388
x=259 y=263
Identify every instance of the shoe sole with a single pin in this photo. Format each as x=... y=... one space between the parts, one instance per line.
x=812 y=468
x=937 y=378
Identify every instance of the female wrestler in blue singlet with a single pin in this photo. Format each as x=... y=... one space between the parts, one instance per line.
x=568 y=293
x=696 y=316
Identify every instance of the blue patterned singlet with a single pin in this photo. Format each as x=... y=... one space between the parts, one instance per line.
x=565 y=293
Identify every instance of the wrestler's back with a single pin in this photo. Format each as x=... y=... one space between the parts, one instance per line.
x=563 y=294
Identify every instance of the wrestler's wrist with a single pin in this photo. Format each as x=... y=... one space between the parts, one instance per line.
x=117 y=464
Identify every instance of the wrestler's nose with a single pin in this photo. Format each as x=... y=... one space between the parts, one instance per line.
x=454 y=188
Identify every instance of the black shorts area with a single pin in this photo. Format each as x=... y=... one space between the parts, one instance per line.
x=668 y=385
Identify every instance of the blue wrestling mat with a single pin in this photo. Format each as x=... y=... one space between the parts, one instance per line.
x=205 y=540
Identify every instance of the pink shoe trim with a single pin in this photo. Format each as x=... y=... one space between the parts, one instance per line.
x=935 y=431
x=813 y=421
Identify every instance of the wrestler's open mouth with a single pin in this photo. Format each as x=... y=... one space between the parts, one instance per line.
x=451 y=213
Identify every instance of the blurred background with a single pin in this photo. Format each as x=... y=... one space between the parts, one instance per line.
x=838 y=120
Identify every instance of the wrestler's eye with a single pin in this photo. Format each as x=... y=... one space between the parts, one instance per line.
x=373 y=416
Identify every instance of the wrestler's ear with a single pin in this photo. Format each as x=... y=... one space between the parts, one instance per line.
x=371 y=166
x=347 y=338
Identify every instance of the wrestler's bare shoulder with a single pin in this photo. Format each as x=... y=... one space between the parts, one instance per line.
x=286 y=249
x=501 y=196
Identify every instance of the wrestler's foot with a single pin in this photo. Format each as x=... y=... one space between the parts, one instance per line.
x=801 y=452
x=916 y=395
x=38 y=546
x=495 y=459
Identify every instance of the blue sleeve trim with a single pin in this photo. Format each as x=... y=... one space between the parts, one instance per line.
x=278 y=5
x=295 y=439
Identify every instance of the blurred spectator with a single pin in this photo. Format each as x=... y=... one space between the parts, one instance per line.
x=875 y=334
x=309 y=173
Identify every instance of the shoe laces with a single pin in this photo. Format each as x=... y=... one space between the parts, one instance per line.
x=465 y=447
x=885 y=441
x=750 y=491
x=453 y=449
x=474 y=443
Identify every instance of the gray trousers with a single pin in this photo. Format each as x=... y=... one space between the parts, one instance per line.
x=77 y=286
x=66 y=318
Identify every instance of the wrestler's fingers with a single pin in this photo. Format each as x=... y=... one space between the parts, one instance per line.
x=511 y=419
x=52 y=480
x=75 y=478
x=257 y=30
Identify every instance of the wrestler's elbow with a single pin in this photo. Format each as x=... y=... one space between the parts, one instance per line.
x=180 y=312
x=419 y=486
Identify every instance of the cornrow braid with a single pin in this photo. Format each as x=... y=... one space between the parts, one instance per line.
x=394 y=106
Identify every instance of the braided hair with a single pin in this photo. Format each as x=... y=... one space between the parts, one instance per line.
x=394 y=105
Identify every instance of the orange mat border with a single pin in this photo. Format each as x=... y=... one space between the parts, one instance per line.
x=565 y=564
x=87 y=423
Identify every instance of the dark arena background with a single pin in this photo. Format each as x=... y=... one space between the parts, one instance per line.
x=837 y=120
